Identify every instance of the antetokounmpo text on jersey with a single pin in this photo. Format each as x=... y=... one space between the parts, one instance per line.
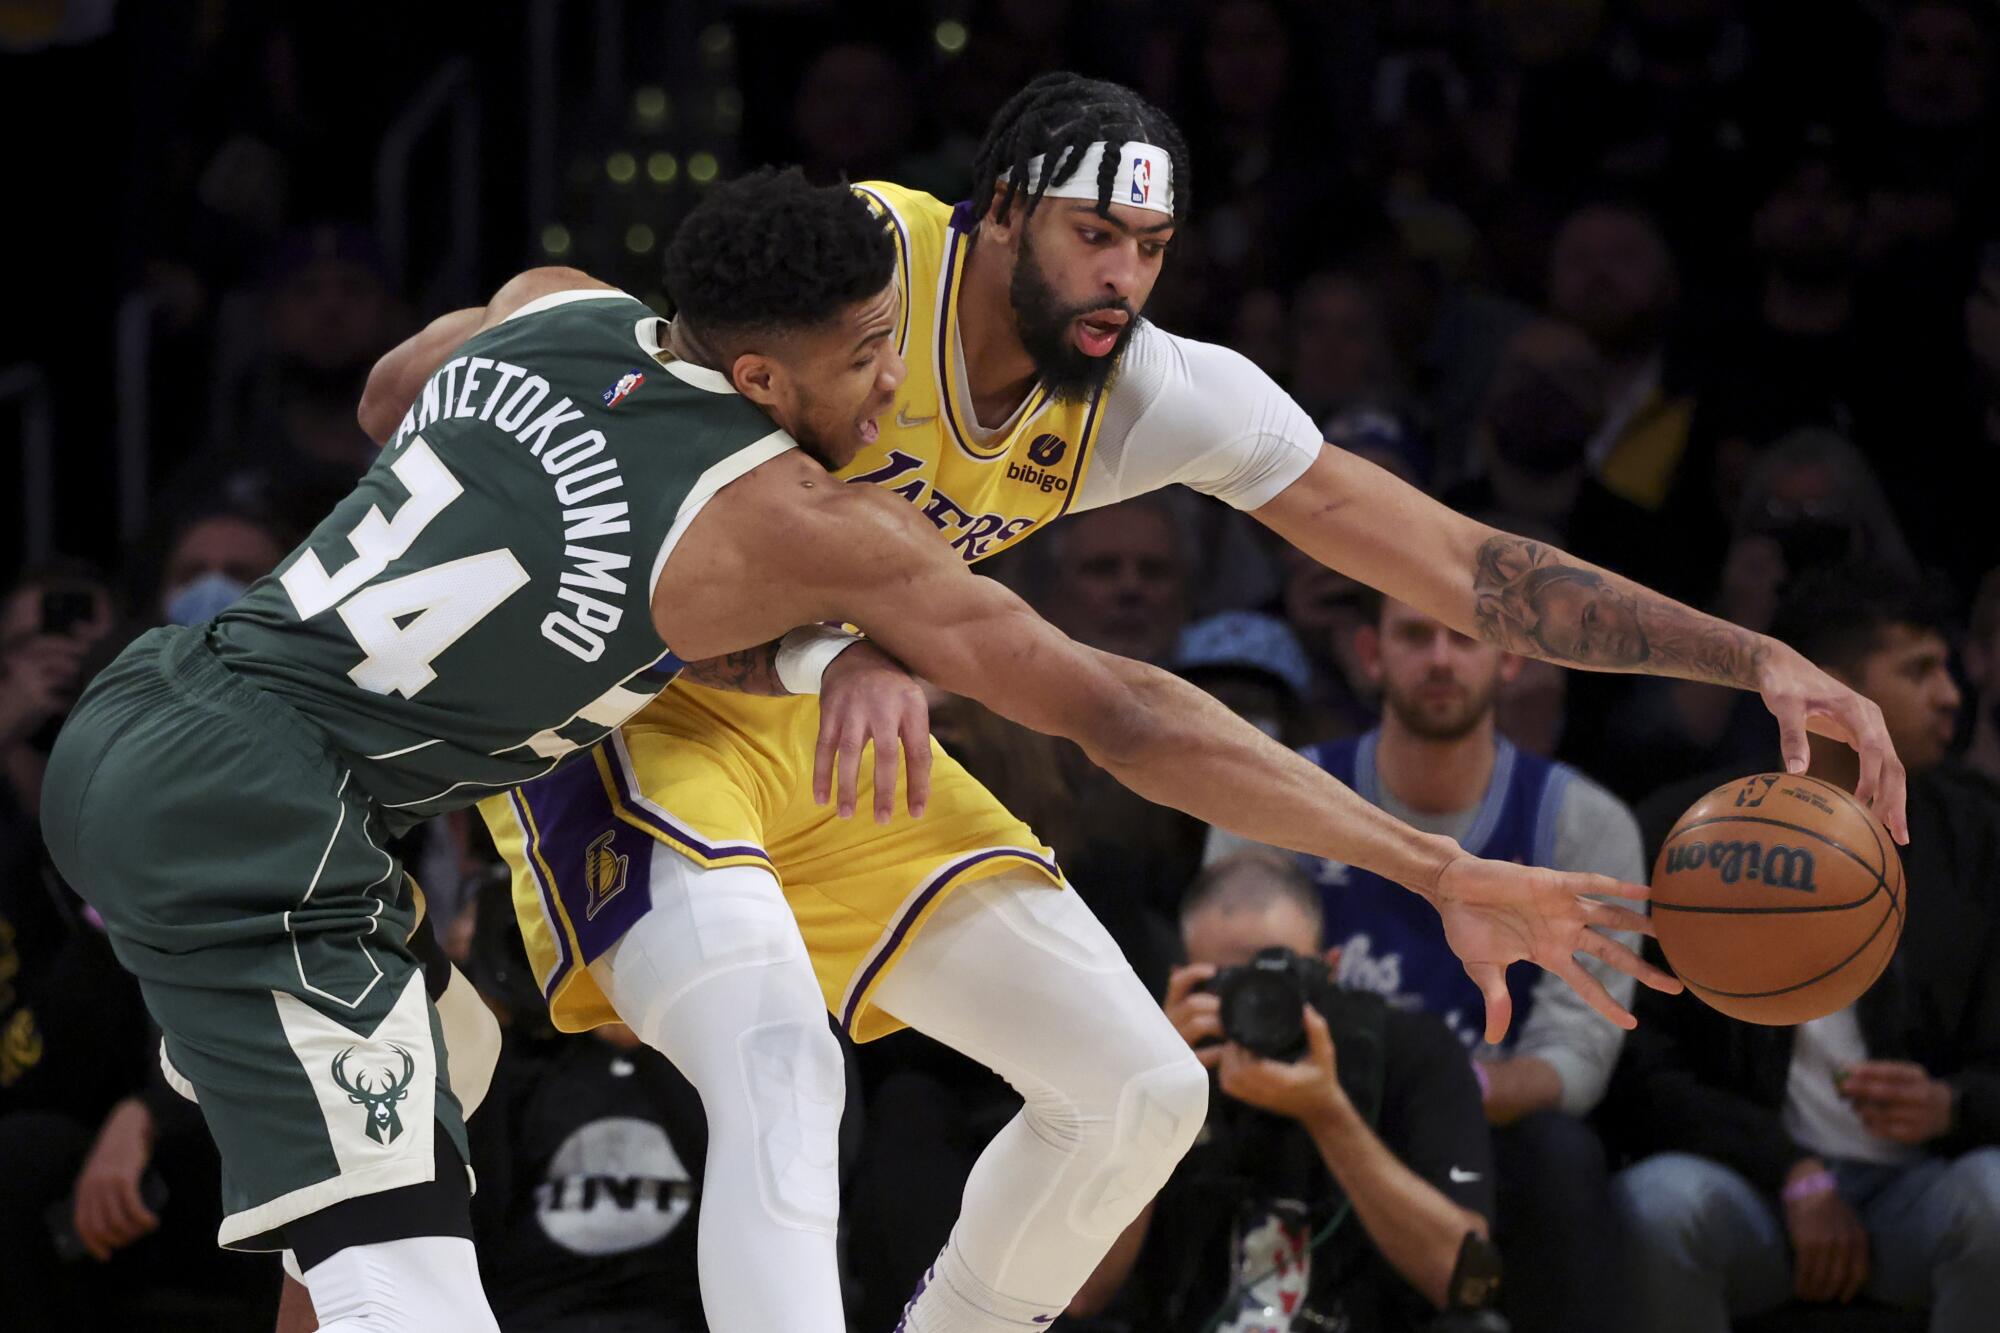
x=582 y=467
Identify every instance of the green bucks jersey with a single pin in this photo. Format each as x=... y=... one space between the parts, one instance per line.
x=480 y=606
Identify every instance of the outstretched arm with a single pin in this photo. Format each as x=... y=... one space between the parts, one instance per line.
x=1533 y=599
x=857 y=555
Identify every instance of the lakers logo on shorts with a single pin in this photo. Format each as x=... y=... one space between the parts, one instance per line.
x=604 y=873
x=384 y=1125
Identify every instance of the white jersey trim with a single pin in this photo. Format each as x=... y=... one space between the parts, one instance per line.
x=647 y=333
x=700 y=377
x=708 y=483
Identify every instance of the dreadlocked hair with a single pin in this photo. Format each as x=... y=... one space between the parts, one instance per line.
x=771 y=251
x=1057 y=117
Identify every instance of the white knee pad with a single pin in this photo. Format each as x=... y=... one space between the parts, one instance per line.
x=418 y=1285
x=1159 y=1113
x=704 y=923
x=797 y=1088
x=716 y=978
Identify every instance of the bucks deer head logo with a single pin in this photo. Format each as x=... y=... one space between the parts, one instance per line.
x=384 y=1125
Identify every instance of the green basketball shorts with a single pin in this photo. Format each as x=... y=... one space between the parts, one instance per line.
x=242 y=878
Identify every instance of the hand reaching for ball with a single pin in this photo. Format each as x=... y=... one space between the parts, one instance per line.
x=1496 y=913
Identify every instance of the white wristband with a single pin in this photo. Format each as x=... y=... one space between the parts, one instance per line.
x=805 y=654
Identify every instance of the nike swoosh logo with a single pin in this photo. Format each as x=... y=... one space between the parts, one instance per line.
x=909 y=422
x=1459 y=1177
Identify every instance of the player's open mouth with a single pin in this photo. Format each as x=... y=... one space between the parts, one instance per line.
x=1097 y=334
x=868 y=428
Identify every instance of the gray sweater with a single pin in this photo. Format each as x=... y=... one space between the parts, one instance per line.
x=1595 y=832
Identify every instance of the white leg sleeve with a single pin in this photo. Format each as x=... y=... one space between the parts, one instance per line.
x=1021 y=977
x=716 y=978
x=417 y=1285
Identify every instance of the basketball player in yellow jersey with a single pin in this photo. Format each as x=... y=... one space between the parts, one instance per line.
x=756 y=905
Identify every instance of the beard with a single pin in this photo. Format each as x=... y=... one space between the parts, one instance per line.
x=1433 y=722
x=1044 y=323
x=807 y=433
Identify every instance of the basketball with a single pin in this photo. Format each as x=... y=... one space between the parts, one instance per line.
x=1778 y=899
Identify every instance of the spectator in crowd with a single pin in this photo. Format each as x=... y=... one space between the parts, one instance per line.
x=1857 y=1154
x=1252 y=663
x=1450 y=336
x=1340 y=350
x=1119 y=579
x=1437 y=762
x=1982 y=341
x=283 y=434
x=1612 y=275
x=1326 y=610
x=1434 y=149
x=100 y=1163
x=1951 y=483
x=52 y=622
x=852 y=117
x=1272 y=201
x=1810 y=503
x=1981 y=654
x=1933 y=159
x=1796 y=356
x=212 y=560
x=1546 y=402
x=1259 y=331
x=1385 y=437
x=1670 y=81
x=1337 y=1187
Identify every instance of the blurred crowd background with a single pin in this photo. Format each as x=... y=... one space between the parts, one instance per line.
x=1705 y=291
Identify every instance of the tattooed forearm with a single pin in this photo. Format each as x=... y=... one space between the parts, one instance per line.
x=1533 y=599
x=752 y=671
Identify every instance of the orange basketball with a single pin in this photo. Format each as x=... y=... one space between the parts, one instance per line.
x=1778 y=899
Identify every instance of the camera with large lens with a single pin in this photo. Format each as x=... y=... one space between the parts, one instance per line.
x=1263 y=1001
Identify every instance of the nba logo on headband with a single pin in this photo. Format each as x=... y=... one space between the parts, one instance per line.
x=1140 y=167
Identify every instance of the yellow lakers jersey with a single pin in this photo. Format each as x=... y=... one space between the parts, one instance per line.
x=983 y=491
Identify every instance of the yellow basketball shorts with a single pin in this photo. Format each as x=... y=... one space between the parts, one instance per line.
x=723 y=780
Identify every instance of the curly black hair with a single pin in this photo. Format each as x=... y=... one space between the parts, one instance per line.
x=1835 y=615
x=770 y=250
x=1057 y=117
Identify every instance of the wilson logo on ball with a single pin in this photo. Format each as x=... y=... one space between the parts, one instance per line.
x=1781 y=867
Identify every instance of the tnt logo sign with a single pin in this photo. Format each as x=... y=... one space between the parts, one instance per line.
x=1142 y=180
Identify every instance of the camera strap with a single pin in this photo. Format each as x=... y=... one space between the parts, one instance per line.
x=1358 y=1022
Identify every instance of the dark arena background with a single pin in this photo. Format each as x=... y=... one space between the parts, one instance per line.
x=1706 y=292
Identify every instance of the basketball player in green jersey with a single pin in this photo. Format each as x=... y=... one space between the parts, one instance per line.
x=578 y=500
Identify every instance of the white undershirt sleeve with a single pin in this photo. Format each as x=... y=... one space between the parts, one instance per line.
x=1200 y=415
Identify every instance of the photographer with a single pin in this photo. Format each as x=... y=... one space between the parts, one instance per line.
x=1345 y=1183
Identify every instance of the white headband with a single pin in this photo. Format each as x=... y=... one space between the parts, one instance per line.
x=1145 y=177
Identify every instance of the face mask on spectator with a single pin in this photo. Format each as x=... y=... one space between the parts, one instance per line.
x=203 y=599
x=1539 y=426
